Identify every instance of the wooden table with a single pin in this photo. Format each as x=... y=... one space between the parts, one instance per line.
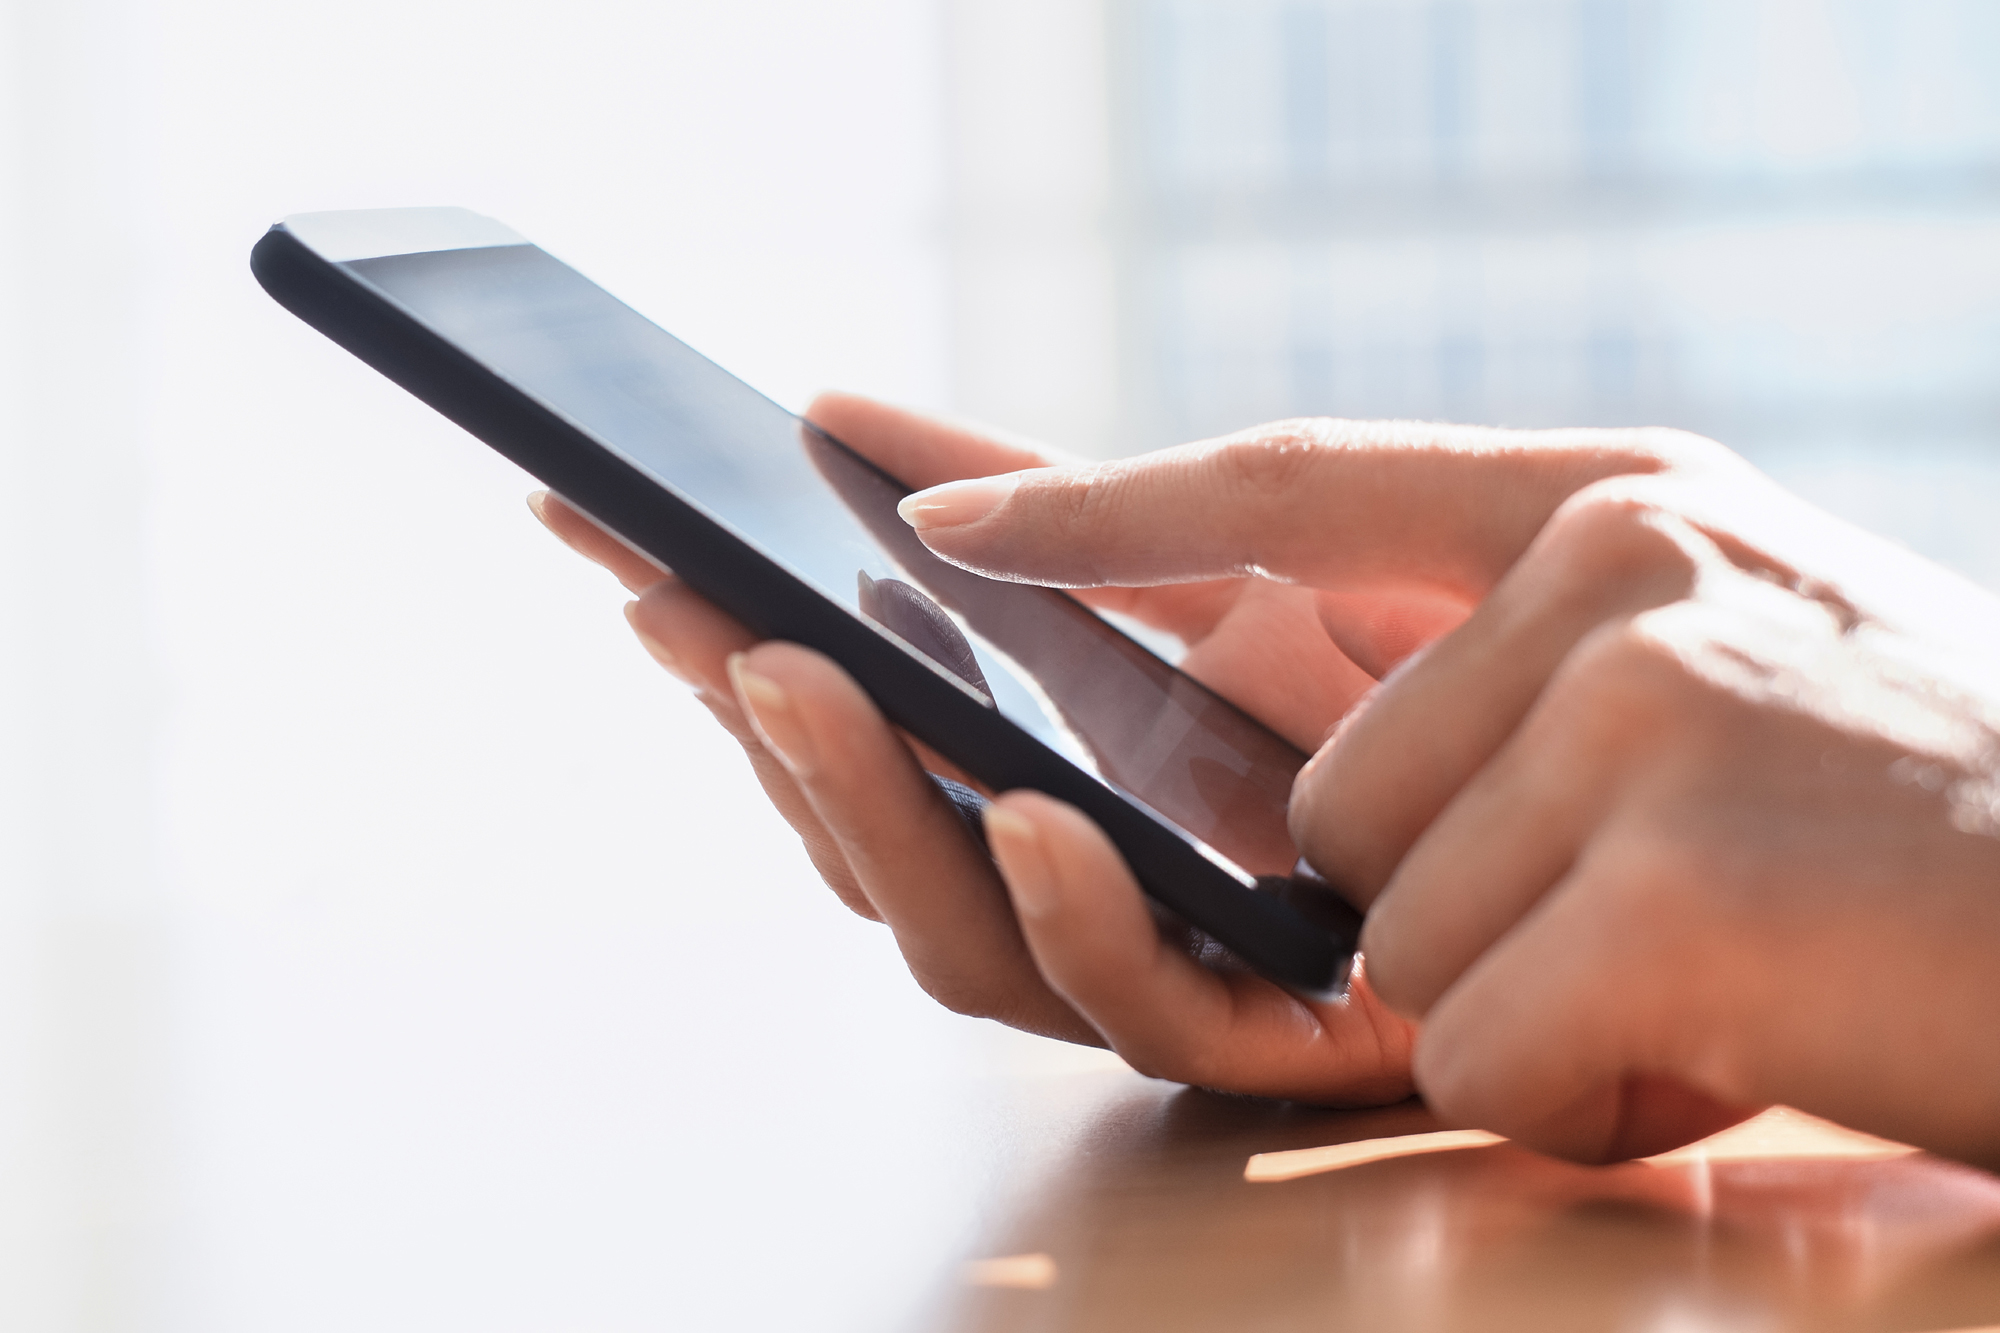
x=1145 y=1220
x=512 y=1122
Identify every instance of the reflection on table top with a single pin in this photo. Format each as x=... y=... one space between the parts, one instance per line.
x=1175 y=1209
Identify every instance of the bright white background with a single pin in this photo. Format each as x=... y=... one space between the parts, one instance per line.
x=387 y=943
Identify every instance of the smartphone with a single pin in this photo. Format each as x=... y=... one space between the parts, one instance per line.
x=797 y=536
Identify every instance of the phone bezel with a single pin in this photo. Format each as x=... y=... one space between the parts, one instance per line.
x=1261 y=928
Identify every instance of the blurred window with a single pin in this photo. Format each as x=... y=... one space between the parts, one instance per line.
x=1774 y=221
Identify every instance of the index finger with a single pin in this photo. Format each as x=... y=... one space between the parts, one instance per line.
x=921 y=450
x=1335 y=504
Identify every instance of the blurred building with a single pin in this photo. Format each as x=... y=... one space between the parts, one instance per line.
x=1776 y=221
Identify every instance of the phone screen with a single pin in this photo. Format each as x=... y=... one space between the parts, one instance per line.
x=1046 y=661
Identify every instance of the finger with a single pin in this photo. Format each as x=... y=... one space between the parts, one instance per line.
x=1362 y=801
x=1331 y=503
x=1379 y=632
x=908 y=848
x=917 y=449
x=1551 y=1038
x=924 y=450
x=582 y=534
x=687 y=634
x=1495 y=850
x=1269 y=656
x=682 y=631
x=921 y=450
x=693 y=641
x=902 y=442
x=1097 y=944
x=1189 y=610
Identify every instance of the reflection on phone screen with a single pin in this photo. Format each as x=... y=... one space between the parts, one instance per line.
x=1042 y=658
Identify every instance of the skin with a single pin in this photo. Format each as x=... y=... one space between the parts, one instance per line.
x=1670 y=796
x=1071 y=952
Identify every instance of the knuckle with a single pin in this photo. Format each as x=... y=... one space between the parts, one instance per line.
x=1615 y=536
x=1086 y=498
x=1605 y=560
x=1637 y=878
x=1682 y=449
x=1658 y=876
x=1271 y=461
x=1092 y=500
x=1623 y=662
x=1620 y=686
x=1666 y=678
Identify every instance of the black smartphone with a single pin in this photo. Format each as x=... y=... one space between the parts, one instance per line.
x=797 y=536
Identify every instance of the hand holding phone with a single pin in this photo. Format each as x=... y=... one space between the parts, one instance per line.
x=1092 y=967
x=796 y=535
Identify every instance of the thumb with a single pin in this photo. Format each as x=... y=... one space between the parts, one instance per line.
x=1333 y=504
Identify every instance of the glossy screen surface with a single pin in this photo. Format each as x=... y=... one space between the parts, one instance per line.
x=1046 y=661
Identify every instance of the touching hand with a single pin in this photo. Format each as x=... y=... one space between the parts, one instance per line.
x=1073 y=952
x=1695 y=811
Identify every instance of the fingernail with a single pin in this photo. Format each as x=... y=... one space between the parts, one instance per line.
x=656 y=650
x=1017 y=845
x=957 y=502
x=537 y=503
x=771 y=712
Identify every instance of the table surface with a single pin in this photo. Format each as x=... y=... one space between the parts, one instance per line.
x=1155 y=1216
